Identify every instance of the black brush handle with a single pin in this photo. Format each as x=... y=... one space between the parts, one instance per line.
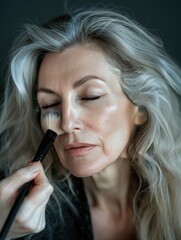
x=43 y=149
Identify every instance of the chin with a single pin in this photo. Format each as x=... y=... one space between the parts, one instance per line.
x=87 y=170
x=82 y=174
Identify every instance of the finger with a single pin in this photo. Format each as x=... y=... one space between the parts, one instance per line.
x=30 y=220
x=32 y=212
x=11 y=184
x=41 y=190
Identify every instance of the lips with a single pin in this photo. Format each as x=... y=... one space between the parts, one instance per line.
x=77 y=149
x=77 y=145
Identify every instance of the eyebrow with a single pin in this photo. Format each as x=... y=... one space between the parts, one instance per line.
x=76 y=84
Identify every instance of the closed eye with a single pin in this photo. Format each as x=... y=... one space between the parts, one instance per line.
x=90 y=98
x=50 y=105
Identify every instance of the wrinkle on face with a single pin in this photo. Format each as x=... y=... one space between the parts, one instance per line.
x=106 y=122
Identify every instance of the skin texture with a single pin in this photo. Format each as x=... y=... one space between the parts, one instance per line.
x=95 y=123
x=31 y=215
x=80 y=85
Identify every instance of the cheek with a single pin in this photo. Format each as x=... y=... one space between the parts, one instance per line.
x=59 y=151
x=108 y=126
x=115 y=126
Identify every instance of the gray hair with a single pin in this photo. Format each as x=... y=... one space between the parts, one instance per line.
x=149 y=78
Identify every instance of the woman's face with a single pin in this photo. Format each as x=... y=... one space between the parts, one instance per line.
x=96 y=116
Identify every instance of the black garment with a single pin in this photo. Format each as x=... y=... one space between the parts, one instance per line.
x=76 y=226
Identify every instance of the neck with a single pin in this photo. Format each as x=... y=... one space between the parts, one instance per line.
x=112 y=186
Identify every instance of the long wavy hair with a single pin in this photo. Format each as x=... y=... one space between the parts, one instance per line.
x=149 y=78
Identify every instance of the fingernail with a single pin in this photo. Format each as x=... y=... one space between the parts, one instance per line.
x=33 y=167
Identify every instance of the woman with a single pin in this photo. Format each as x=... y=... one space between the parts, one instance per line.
x=116 y=165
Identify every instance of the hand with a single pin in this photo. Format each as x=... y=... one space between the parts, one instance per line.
x=31 y=215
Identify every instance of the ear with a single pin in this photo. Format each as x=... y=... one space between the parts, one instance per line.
x=140 y=116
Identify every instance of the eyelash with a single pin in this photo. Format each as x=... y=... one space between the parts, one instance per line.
x=50 y=106
x=91 y=98
x=83 y=99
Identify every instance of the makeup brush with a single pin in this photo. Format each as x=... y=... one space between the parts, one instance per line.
x=50 y=122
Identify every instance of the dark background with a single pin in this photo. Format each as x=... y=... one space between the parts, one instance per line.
x=161 y=17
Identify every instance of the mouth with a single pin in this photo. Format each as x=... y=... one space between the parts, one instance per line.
x=79 y=149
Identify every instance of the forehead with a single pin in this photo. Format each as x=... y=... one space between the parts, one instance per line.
x=74 y=63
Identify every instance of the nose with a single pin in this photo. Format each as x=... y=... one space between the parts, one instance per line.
x=70 y=117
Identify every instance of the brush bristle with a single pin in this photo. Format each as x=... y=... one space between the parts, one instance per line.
x=51 y=120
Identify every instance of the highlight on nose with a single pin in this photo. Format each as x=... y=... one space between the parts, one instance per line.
x=70 y=118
